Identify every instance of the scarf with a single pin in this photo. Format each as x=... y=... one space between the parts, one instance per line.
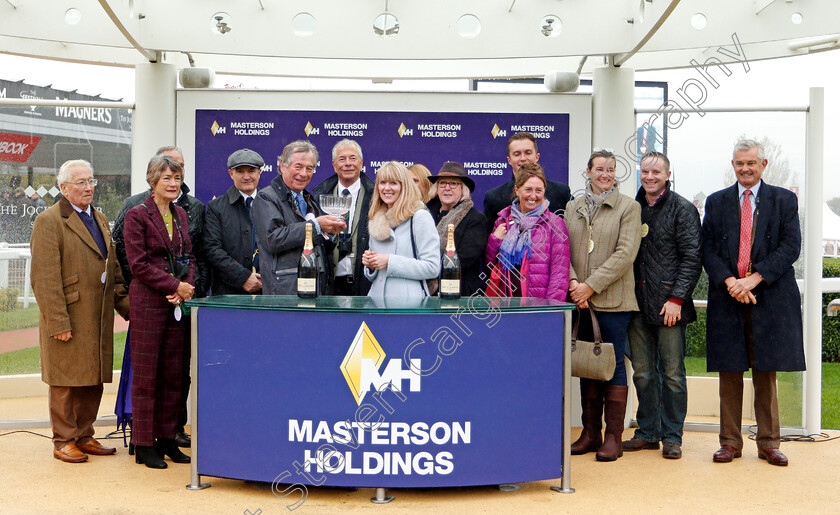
x=384 y=221
x=453 y=217
x=595 y=200
x=517 y=243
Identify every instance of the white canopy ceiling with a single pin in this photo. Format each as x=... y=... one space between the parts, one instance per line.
x=417 y=39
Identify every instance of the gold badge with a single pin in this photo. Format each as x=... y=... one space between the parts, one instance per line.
x=591 y=246
x=644 y=230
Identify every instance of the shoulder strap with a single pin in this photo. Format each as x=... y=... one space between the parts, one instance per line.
x=414 y=253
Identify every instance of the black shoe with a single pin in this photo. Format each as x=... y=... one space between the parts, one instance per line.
x=149 y=456
x=671 y=451
x=170 y=448
x=183 y=439
x=634 y=444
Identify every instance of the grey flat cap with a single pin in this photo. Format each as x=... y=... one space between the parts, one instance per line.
x=245 y=157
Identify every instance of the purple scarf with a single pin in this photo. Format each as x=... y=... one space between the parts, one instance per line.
x=517 y=243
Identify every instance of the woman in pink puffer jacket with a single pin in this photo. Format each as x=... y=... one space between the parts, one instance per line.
x=529 y=247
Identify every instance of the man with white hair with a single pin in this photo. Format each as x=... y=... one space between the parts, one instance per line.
x=78 y=283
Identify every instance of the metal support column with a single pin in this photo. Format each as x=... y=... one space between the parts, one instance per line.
x=614 y=121
x=153 y=123
x=195 y=479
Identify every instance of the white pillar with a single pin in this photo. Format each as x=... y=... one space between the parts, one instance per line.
x=614 y=120
x=153 y=125
x=812 y=293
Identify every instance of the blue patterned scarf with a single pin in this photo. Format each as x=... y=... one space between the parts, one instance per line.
x=517 y=243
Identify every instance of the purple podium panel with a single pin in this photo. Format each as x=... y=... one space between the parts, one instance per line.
x=432 y=398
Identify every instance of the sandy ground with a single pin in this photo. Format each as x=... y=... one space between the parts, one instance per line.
x=34 y=482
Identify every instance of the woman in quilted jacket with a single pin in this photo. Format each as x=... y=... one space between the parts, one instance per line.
x=529 y=246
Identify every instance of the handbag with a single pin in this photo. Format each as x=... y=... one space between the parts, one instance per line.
x=592 y=360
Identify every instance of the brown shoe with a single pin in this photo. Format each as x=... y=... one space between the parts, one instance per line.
x=96 y=448
x=70 y=454
x=725 y=454
x=773 y=457
x=634 y=444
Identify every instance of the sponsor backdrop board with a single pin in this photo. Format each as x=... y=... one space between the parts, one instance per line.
x=477 y=140
x=427 y=128
x=296 y=386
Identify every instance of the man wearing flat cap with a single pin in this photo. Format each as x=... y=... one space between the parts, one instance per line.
x=231 y=244
x=452 y=205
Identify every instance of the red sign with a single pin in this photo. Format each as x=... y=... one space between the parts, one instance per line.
x=17 y=147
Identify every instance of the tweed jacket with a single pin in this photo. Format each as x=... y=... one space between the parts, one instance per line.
x=147 y=246
x=616 y=234
x=67 y=268
x=195 y=213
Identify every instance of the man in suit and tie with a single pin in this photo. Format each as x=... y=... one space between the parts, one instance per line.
x=349 y=181
x=751 y=239
x=521 y=149
x=229 y=237
x=78 y=283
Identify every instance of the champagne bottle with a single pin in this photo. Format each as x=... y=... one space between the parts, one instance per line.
x=450 y=270
x=307 y=283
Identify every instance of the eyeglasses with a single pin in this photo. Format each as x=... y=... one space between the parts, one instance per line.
x=448 y=184
x=751 y=164
x=82 y=183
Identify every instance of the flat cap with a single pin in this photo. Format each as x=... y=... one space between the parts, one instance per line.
x=245 y=157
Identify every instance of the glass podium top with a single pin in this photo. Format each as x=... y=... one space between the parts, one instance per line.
x=328 y=304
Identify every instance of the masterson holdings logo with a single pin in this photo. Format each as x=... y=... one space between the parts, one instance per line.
x=497 y=132
x=310 y=129
x=404 y=131
x=216 y=129
x=363 y=360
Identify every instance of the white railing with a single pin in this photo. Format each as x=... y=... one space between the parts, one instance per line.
x=10 y=276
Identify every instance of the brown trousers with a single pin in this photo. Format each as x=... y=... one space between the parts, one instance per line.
x=73 y=411
x=766 y=403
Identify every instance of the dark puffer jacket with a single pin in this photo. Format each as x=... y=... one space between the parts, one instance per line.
x=669 y=261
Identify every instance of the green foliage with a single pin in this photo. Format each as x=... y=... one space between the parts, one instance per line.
x=695 y=336
x=831 y=325
x=8 y=298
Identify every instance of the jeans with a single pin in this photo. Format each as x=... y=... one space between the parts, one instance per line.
x=658 y=357
x=613 y=326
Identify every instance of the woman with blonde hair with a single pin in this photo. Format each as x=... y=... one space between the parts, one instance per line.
x=404 y=245
x=421 y=175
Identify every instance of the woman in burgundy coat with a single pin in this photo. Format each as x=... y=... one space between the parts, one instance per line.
x=159 y=252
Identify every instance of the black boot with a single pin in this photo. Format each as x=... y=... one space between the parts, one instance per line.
x=615 y=405
x=148 y=455
x=592 y=406
x=182 y=438
x=170 y=448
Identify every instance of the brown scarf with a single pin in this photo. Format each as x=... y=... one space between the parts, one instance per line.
x=453 y=217
x=384 y=220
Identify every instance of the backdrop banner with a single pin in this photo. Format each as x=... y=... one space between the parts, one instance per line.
x=380 y=399
x=478 y=140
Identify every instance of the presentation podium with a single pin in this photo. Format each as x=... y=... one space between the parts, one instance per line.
x=380 y=393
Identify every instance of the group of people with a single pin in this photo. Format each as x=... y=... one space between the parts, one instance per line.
x=633 y=262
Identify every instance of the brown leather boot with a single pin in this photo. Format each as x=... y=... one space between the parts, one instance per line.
x=615 y=404
x=592 y=407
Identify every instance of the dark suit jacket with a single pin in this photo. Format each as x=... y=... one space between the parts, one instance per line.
x=557 y=194
x=776 y=318
x=227 y=242
x=361 y=284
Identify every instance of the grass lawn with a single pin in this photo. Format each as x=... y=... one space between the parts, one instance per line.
x=19 y=318
x=790 y=392
x=27 y=361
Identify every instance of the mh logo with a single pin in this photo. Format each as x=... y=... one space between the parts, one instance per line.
x=310 y=129
x=497 y=132
x=216 y=129
x=404 y=131
x=362 y=362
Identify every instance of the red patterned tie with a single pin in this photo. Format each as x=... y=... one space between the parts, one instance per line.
x=746 y=235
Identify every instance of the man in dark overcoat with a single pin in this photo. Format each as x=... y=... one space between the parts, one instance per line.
x=751 y=239
x=78 y=284
x=229 y=238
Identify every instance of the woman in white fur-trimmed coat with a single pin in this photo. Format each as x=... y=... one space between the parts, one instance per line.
x=395 y=266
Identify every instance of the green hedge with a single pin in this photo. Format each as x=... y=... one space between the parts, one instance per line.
x=696 y=332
